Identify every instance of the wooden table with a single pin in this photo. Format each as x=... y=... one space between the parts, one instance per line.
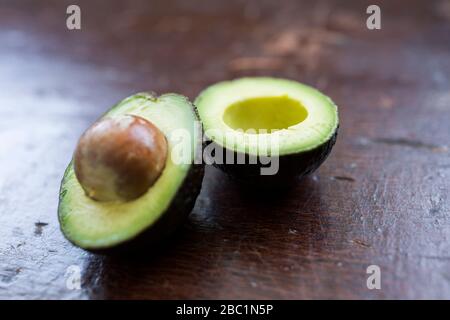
x=382 y=197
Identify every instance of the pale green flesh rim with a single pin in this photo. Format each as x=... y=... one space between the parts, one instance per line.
x=95 y=225
x=318 y=127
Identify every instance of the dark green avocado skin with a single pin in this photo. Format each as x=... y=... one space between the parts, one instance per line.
x=291 y=167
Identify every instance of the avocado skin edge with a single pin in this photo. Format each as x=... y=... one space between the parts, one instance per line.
x=170 y=220
x=291 y=167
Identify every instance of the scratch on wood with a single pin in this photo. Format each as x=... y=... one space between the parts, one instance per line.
x=361 y=243
x=8 y=275
x=403 y=142
x=343 y=178
x=39 y=226
x=436 y=205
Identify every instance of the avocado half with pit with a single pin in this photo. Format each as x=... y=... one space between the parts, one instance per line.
x=267 y=130
x=111 y=209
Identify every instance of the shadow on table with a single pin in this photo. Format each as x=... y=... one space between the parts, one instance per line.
x=232 y=233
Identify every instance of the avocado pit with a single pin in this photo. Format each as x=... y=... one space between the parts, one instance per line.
x=120 y=158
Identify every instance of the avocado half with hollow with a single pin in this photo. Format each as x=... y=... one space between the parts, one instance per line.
x=111 y=209
x=284 y=126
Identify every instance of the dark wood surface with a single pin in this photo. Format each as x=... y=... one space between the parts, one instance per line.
x=382 y=197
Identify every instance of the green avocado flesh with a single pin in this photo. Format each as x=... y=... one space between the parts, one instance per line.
x=100 y=225
x=304 y=121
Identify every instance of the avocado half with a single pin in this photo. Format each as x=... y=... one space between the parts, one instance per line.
x=242 y=115
x=104 y=226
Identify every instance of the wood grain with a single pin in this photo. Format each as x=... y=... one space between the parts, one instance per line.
x=381 y=198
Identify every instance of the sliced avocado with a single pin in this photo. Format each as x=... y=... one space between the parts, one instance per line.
x=245 y=116
x=100 y=226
